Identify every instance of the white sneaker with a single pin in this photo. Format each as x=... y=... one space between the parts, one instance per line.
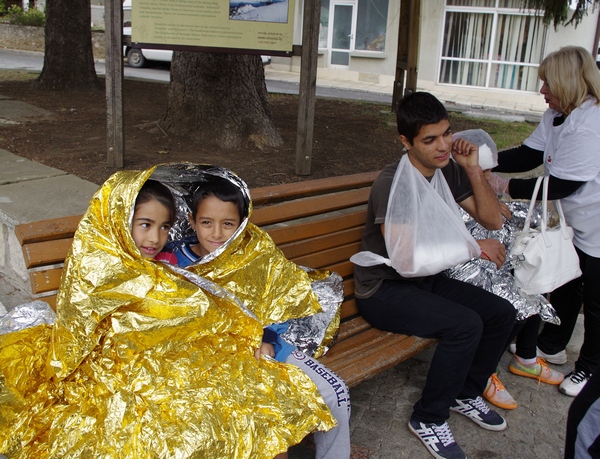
x=574 y=382
x=559 y=358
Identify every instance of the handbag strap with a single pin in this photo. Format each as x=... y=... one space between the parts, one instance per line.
x=562 y=223
x=544 y=220
x=536 y=189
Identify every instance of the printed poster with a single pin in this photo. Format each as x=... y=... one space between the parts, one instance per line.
x=239 y=24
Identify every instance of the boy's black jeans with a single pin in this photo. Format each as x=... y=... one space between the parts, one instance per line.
x=471 y=324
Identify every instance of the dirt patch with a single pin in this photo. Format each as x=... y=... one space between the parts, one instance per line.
x=349 y=136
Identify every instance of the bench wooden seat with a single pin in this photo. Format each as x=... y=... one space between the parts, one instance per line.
x=316 y=223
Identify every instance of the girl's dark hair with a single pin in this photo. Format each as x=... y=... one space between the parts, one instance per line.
x=416 y=110
x=153 y=190
x=222 y=189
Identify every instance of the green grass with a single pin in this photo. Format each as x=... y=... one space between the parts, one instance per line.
x=17 y=75
x=506 y=134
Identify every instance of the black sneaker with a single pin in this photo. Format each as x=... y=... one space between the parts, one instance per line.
x=437 y=439
x=478 y=412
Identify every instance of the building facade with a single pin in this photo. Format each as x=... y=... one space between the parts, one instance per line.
x=472 y=48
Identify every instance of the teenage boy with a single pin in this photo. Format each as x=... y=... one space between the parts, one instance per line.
x=472 y=325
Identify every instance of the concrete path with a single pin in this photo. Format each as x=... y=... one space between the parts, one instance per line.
x=30 y=191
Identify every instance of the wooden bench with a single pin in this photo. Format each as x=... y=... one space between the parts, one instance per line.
x=316 y=223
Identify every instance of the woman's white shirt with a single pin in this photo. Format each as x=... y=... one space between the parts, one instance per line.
x=572 y=152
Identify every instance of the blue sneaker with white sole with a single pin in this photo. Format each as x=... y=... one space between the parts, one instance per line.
x=480 y=413
x=437 y=438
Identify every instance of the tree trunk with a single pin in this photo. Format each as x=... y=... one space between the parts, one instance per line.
x=68 y=56
x=220 y=99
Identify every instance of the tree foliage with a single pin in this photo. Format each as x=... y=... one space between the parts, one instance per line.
x=557 y=11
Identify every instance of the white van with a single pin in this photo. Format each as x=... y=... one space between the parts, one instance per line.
x=139 y=57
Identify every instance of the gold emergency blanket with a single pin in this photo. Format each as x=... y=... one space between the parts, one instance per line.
x=256 y=271
x=143 y=363
x=275 y=294
x=284 y=290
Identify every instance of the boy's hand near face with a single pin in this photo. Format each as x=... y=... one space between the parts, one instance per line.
x=465 y=153
x=266 y=349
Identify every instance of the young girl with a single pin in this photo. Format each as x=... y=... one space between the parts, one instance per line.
x=153 y=217
x=137 y=350
x=224 y=249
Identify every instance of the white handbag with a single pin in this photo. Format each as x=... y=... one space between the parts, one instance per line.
x=544 y=258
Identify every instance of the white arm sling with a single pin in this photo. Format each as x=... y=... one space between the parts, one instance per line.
x=424 y=233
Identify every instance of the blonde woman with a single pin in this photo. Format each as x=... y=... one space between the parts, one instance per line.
x=567 y=142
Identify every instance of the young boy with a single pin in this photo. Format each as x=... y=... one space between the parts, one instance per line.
x=472 y=325
x=531 y=309
x=224 y=251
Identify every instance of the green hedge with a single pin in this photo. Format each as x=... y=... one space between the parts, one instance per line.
x=31 y=17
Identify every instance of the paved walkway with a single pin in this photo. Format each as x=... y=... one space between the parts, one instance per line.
x=381 y=406
x=491 y=104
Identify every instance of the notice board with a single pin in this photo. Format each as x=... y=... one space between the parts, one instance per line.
x=238 y=24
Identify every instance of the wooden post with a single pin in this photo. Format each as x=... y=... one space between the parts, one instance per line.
x=407 y=56
x=413 y=45
x=113 y=14
x=401 y=53
x=308 y=86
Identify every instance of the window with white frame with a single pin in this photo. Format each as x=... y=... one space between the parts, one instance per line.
x=491 y=44
x=371 y=24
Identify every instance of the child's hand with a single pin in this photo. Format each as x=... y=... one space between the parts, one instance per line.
x=493 y=250
x=505 y=211
x=266 y=349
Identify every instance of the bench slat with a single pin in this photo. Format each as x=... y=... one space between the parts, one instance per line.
x=349 y=309
x=47 y=252
x=359 y=365
x=352 y=327
x=47 y=230
x=288 y=191
x=322 y=243
x=326 y=258
x=308 y=206
x=344 y=269
x=348 y=287
x=307 y=230
x=46 y=280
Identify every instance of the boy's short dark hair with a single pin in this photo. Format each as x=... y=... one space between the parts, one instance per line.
x=222 y=189
x=153 y=189
x=416 y=110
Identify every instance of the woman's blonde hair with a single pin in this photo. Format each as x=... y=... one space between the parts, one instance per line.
x=571 y=75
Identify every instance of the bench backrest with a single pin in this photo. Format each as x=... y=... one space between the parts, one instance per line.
x=317 y=223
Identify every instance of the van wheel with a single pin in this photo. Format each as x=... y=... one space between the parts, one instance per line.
x=135 y=58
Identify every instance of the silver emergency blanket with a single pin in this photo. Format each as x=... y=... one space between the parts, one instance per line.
x=309 y=333
x=27 y=315
x=184 y=180
x=483 y=273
